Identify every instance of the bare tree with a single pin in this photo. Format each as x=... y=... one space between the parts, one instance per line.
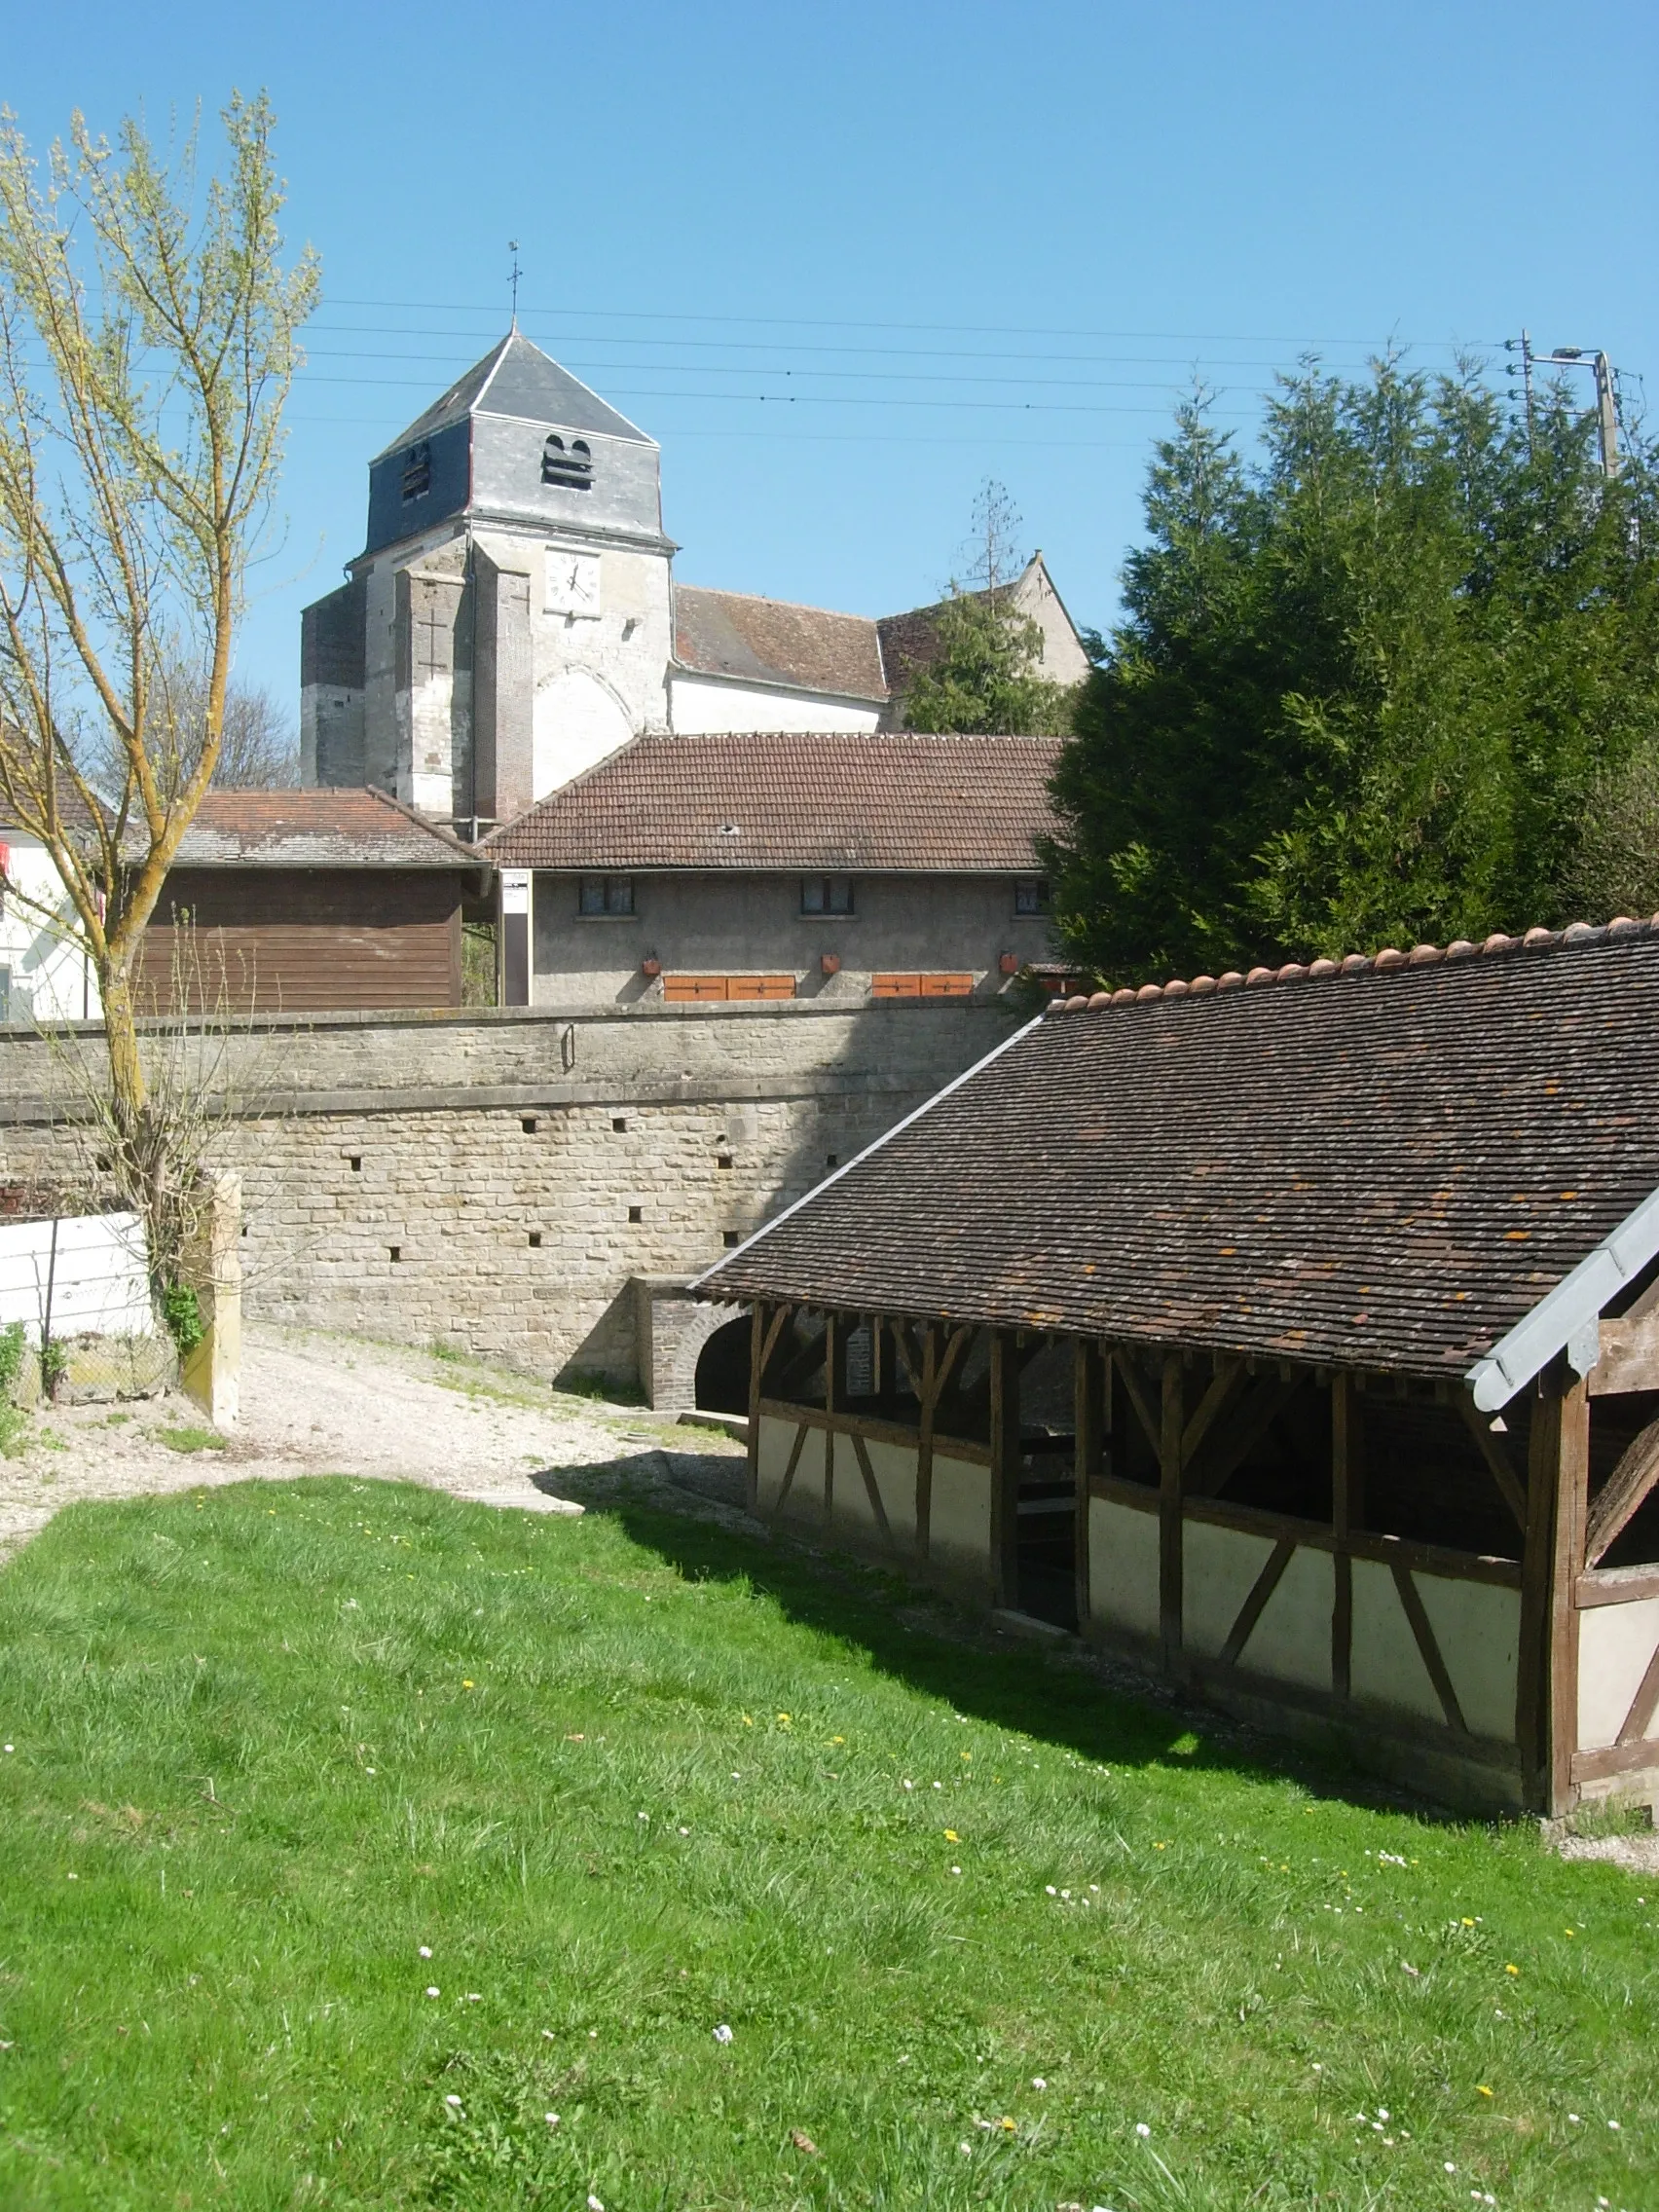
x=990 y=553
x=259 y=746
x=147 y=345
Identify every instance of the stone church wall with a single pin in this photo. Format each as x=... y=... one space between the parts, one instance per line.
x=501 y=1180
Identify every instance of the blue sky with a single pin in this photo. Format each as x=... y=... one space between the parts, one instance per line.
x=846 y=261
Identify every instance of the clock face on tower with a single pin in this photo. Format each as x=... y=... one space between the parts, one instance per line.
x=572 y=583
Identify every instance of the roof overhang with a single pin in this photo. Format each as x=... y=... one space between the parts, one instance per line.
x=1569 y=1320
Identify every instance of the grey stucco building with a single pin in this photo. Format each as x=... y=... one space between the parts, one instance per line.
x=513 y=616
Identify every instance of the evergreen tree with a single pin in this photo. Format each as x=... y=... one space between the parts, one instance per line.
x=1366 y=689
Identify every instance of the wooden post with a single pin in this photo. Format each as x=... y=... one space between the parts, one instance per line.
x=1090 y=1459
x=1169 y=1529
x=1005 y=1465
x=1546 y=1702
x=1566 y=1564
x=831 y=1397
x=925 y=1439
x=1344 y=1427
x=756 y=1362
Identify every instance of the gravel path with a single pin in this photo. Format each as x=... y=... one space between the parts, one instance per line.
x=315 y=1403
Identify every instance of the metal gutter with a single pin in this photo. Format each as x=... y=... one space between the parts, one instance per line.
x=1568 y=1318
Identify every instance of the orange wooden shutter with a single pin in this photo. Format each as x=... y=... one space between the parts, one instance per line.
x=947 y=987
x=896 y=986
x=686 y=990
x=760 y=986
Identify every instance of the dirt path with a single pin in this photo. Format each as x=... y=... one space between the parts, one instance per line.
x=315 y=1403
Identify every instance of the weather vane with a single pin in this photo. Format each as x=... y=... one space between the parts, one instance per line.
x=513 y=275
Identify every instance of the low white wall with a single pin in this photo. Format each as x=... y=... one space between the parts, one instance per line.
x=894 y=1466
x=1615 y=1644
x=1123 y=1568
x=1477 y=1626
x=97 y=1280
x=959 y=1519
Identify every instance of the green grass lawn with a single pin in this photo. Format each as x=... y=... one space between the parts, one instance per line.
x=350 y=1833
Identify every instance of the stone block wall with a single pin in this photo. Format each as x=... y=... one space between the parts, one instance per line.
x=497 y=1180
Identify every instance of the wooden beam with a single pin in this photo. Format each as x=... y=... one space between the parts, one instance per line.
x=1613 y=1759
x=1499 y=1463
x=1642 y=1706
x=1139 y=1400
x=1615 y=1586
x=780 y=1320
x=1261 y=1590
x=757 y=1367
x=929 y=1394
x=1623 y=1494
x=1224 y=1384
x=1170 y=1559
x=795 y=1451
x=1344 y=1440
x=1532 y=1670
x=1566 y=1567
x=833 y=1341
x=1092 y=1412
x=1005 y=1465
x=872 y=1490
x=1215 y=1468
x=1423 y=1629
x=1629 y=1355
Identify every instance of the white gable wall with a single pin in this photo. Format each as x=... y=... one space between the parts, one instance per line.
x=704 y=705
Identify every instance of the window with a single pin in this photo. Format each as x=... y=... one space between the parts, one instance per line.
x=605 y=894
x=1030 y=895
x=825 y=894
x=571 y=467
x=417 y=471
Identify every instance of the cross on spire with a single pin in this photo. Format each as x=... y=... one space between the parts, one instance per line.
x=513 y=275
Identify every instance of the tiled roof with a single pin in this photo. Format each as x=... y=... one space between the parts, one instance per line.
x=314 y=828
x=517 y=377
x=769 y=640
x=805 y=801
x=1385 y=1163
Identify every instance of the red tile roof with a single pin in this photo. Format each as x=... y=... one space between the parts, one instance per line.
x=889 y=804
x=770 y=641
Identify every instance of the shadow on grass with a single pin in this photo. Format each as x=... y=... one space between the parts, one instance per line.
x=1067 y=1699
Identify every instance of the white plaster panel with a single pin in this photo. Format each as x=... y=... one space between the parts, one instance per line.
x=1292 y=1639
x=1123 y=1568
x=1615 y=1644
x=1219 y=1570
x=1477 y=1626
x=959 y=1521
x=698 y=704
x=51 y=977
x=777 y=1442
x=1387 y=1667
x=894 y=1466
x=806 y=1502
x=578 y=720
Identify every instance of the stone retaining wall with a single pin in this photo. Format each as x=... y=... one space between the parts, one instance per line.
x=463 y=1177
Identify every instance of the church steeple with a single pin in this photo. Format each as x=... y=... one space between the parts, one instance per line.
x=517 y=440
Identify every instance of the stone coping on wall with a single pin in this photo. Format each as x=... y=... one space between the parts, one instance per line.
x=576 y=1010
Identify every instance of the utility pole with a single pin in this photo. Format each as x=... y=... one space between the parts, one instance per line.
x=1606 y=394
x=1524 y=345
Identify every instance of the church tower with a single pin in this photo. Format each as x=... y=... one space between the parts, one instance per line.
x=508 y=621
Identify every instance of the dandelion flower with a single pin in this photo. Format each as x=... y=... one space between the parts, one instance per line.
x=466 y=1685
x=951 y=1836
x=837 y=1739
x=1005 y=2123
x=1483 y=2091
x=723 y=2034
x=1512 y=1970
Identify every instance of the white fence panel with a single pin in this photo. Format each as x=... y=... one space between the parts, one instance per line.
x=96 y=1277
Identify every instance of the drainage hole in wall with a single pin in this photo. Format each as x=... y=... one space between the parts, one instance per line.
x=620 y=1122
x=731 y=1238
x=831 y=1159
x=396 y=1251
x=528 y=1124
x=355 y=1161
x=636 y=1213
x=535 y=1238
x=723 y=1160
